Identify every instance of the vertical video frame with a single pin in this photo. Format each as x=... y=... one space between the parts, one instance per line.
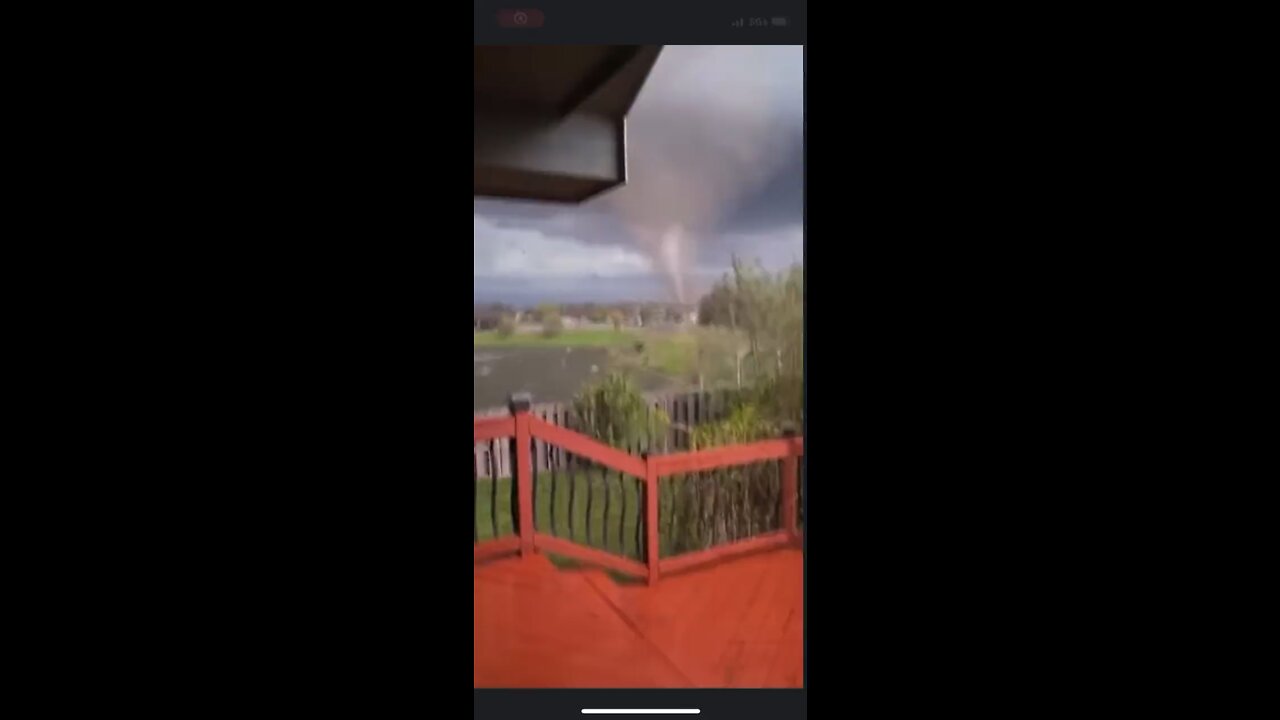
x=638 y=366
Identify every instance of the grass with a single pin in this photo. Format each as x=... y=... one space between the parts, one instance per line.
x=687 y=354
x=626 y=545
x=568 y=338
x=614 y=533
x=682 y=355
x=604 y=535
x=674 y=354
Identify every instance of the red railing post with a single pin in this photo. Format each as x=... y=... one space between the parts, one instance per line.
x=651 y=517
x=790 y=488
x=520 y=404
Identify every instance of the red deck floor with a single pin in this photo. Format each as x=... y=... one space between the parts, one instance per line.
x=738 y=624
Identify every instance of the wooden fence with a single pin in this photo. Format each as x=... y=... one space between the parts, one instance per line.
x=685 y=410
x=529 y=503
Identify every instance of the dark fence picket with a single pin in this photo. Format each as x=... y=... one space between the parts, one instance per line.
x=555 y=477
x=533 y=453
x=513 y=500
x=590 y=492
x=672 y=489
x=671 y=438
x=555 y=455
x=690 y=420
x=800 y=492
x=493 y=489
x=622 y=525
x=557 y=470
x=775 y=492
x=573 y=484
x=640 y=537
x=604 y=480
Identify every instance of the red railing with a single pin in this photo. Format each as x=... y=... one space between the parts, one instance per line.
x=525 y=428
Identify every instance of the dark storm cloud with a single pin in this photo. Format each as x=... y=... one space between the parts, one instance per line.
x=713 y=127
x=777 y=203
x=715 y=146
x=588 y=223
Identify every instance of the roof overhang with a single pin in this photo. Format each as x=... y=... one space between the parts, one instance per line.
x=550 y=120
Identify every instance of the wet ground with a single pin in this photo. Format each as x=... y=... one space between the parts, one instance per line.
x=550 y=374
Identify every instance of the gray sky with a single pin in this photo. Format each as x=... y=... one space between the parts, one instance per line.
x=715 y=148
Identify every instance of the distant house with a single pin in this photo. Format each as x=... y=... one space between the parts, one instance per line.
x=487 y=317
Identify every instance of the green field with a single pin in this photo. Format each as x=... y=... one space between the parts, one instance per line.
x=687 y=355
x=568 y=338
x=684 y=355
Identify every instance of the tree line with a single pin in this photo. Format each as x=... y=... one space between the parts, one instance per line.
x=490 y=316
x=768 y=309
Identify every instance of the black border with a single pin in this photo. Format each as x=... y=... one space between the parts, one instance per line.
x=257 y=194
x=263 y=360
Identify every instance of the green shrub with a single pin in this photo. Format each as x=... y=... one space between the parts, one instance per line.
x=614 y=412
x=552 y=325
x=727 y=504
x=745 y=423
x=506 y=327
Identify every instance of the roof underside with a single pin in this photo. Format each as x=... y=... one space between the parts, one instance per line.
x=550 y=120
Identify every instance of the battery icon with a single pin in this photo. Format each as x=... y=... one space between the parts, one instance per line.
x=778 y=22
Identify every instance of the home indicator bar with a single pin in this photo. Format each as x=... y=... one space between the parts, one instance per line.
x=654 y=711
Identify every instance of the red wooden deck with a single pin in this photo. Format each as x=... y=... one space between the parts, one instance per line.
x=737 y=624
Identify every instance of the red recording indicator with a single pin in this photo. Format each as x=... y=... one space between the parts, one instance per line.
x=520 y=18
